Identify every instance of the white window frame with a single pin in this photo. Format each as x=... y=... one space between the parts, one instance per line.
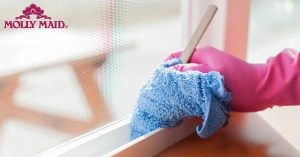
x=113 y=139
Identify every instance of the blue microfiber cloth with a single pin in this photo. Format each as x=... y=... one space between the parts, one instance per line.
x=170 y=96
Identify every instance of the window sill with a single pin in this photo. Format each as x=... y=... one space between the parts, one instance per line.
x=113 y=140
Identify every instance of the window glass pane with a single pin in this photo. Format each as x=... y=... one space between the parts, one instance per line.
x=58 y=83
x=274 y=25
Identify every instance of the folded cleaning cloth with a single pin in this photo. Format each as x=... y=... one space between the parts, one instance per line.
x=170 y=96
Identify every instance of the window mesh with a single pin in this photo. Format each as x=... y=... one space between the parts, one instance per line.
x=56 y=84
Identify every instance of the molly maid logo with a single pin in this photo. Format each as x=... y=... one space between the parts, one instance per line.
x=34 y=17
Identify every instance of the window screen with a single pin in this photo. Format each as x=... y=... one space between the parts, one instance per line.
x=67 y=67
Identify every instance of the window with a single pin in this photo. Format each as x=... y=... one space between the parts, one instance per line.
x=156 y=141
x=57 y=84
x=117 y=74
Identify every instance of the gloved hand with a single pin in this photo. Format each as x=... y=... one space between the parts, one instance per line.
x=254 y=87
x=170 y=96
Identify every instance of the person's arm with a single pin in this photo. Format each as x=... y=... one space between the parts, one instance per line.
x=254 y=87
x=280 y=82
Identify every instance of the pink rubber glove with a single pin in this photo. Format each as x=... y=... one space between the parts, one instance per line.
x=254 y=87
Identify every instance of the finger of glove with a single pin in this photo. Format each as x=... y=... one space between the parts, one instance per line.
x=192 y=67
x=173 y=55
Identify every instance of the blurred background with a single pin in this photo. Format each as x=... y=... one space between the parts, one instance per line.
x=56 y=84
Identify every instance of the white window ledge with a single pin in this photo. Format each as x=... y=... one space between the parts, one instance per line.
x=113 y=140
